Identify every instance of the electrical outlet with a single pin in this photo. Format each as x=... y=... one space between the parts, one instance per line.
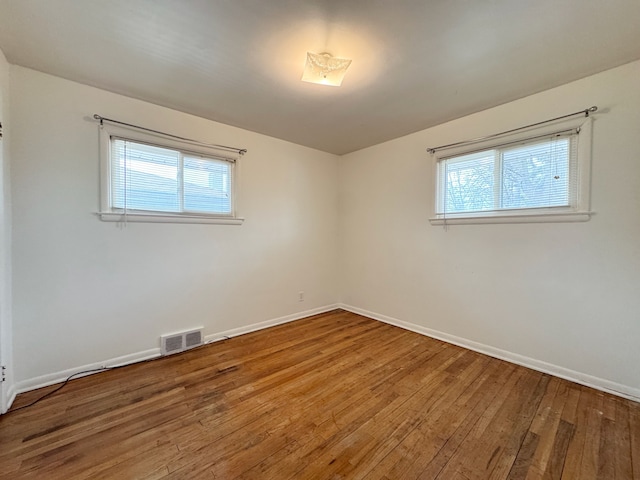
x=301 y=296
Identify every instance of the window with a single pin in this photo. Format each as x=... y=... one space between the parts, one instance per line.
x=149 y=179
x=539 y=178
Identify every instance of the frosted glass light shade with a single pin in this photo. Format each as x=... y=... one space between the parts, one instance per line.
x=324 y=69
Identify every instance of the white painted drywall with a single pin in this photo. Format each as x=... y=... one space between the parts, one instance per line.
x=86 y=290
x=6 y=343
x=566 y=294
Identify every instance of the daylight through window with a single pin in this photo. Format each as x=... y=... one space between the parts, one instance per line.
x=156 y=179
x=534 y=175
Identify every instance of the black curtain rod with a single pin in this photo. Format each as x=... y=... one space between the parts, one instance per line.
x=584 y=112
x=102 y=119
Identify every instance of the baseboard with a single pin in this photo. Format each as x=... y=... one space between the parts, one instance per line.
x=61 y=376
x=571 y=375
x=11 y=396
x=268 y=323
x=538 y=365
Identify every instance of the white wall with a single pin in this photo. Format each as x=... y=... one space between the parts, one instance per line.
x=87 y=291
x=561 y=297
x=6 y=344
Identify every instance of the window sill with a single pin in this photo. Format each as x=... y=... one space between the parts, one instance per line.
x=167 y=218
x=510 y=218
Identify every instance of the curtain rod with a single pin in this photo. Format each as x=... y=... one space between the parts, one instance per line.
x=584 y=112
x=102 y=119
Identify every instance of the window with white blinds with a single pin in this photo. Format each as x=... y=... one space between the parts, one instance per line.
x=541 y=175
x=531 y=175
x=148 y=178
x=156 y=179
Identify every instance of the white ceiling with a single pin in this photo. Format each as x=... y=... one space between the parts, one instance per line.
x=416 y=63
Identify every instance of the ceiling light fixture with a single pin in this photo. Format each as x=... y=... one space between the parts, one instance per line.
x=324 y=69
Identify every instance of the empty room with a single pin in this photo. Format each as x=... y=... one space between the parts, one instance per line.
x=320 y=239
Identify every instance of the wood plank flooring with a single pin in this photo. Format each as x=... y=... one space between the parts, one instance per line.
x=335 y=396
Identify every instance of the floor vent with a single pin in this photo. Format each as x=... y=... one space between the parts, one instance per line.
x=181 y=341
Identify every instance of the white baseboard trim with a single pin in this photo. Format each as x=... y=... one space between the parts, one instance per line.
x=61 y=376
x=268 y=323
x=11 y=396
x=538 y=365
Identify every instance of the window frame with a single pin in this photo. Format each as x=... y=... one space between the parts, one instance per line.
x=110 y=213
x=579 y=206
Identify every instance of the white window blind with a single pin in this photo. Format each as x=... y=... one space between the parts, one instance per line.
x=151 y=178
x=533 y=174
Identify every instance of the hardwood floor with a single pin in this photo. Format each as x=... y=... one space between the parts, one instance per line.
x=335 y=396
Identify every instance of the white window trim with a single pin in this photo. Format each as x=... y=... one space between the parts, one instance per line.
x=108 y=213
x=579 y=212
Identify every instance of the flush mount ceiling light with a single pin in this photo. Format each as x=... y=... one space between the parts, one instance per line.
x=324 y=69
